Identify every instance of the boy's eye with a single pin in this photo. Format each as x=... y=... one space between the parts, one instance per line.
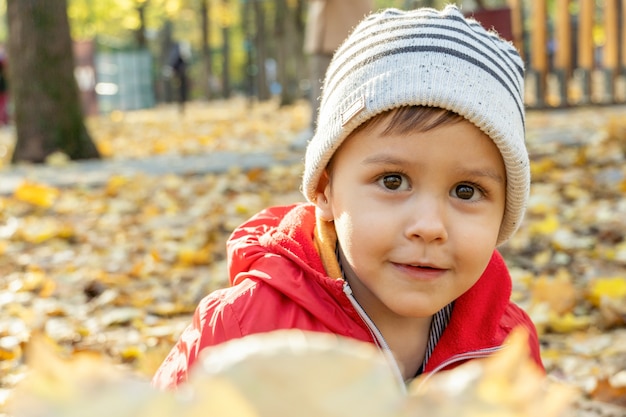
x=466 y=192
x=393 y=182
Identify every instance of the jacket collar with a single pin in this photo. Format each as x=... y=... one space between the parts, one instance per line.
x=475 y=324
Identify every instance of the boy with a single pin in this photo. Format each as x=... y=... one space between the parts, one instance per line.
x=417 y=171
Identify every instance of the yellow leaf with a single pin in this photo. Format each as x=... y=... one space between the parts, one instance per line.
x=600 y=288
x=241 y=209
x=114 y=184
x=255 y=174
x=105 y=149
x=137 y=269
x=154 y=254
x=40 y=195
x=65 y=231
x=206 y=139
x=160 y=146
x=131 y=353
x=186 y=256
x=47 y=288
x=542 y=258
x=10 y=348
x=192 y=256
x=568 y=322
x=558 y=292
x=537 y=168
x=547 y=226
x=581 y=157
x=36 y=230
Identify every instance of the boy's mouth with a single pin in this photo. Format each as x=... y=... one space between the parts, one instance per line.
x=421 y=266
x=421 y=272
x=425 y=266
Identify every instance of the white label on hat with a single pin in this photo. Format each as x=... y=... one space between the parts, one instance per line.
x=352 y=111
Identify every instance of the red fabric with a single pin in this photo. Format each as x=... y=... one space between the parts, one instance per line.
x=278 y=282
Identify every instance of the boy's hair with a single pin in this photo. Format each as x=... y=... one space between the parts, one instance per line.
x=404 y=120
x=410 y=119
x=430 y=58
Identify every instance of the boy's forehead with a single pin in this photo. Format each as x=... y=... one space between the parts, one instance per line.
x=462 y=146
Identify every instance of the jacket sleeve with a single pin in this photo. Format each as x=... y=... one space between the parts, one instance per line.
x=213 y=323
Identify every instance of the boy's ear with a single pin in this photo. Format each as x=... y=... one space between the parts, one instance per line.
x=322 y=200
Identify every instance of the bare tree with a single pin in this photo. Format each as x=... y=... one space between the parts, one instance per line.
x=48 y=114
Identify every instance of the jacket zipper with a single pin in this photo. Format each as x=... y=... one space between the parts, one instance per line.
x=474 y=354
x=376 y=335
x=384 y=347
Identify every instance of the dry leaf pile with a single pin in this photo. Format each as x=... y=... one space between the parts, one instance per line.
x=569 y=257
x=287 y=373
x=118 y=268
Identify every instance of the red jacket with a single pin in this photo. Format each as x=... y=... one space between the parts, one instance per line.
x=279 y=282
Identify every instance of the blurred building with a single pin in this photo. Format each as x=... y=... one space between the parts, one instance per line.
x=113 y=80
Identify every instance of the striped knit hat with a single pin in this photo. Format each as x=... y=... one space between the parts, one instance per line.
x=431 y=58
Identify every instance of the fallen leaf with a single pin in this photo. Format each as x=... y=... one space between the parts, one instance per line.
x=609 y=393
x=610 y=287
x=320 y=374
x=557 y=292
x=40 y=195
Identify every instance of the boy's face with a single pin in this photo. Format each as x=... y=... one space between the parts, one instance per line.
x=417 y=215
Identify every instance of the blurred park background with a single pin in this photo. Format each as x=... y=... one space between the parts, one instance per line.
x=137 y=54
x=117 y=192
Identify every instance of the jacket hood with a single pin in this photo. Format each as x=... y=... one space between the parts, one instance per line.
x=284 y=231
x=277 y=247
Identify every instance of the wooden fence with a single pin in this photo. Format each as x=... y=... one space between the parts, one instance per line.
x=575 y=52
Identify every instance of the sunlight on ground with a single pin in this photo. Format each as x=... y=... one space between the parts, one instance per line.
x=234 y=125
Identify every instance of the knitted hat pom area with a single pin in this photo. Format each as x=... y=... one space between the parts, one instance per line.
x=426 y=57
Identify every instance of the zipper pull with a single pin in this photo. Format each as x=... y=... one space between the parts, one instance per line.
x=346 y=289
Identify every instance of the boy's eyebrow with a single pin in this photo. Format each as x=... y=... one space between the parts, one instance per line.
x=384 y=159
x=482 y=173
x=393 y=160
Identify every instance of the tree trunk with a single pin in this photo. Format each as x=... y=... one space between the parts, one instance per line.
x=284 y=38
x=48 y=114
x=263 y=92
x=226 y=88
x=207 y=59
x=246 y=22
x=289 y=35
x=300 y=68
x=140 y=34
x=166 y=43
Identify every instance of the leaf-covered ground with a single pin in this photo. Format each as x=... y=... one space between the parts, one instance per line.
x=119 y=267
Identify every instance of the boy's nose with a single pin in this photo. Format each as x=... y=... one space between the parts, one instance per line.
x=427 y=221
